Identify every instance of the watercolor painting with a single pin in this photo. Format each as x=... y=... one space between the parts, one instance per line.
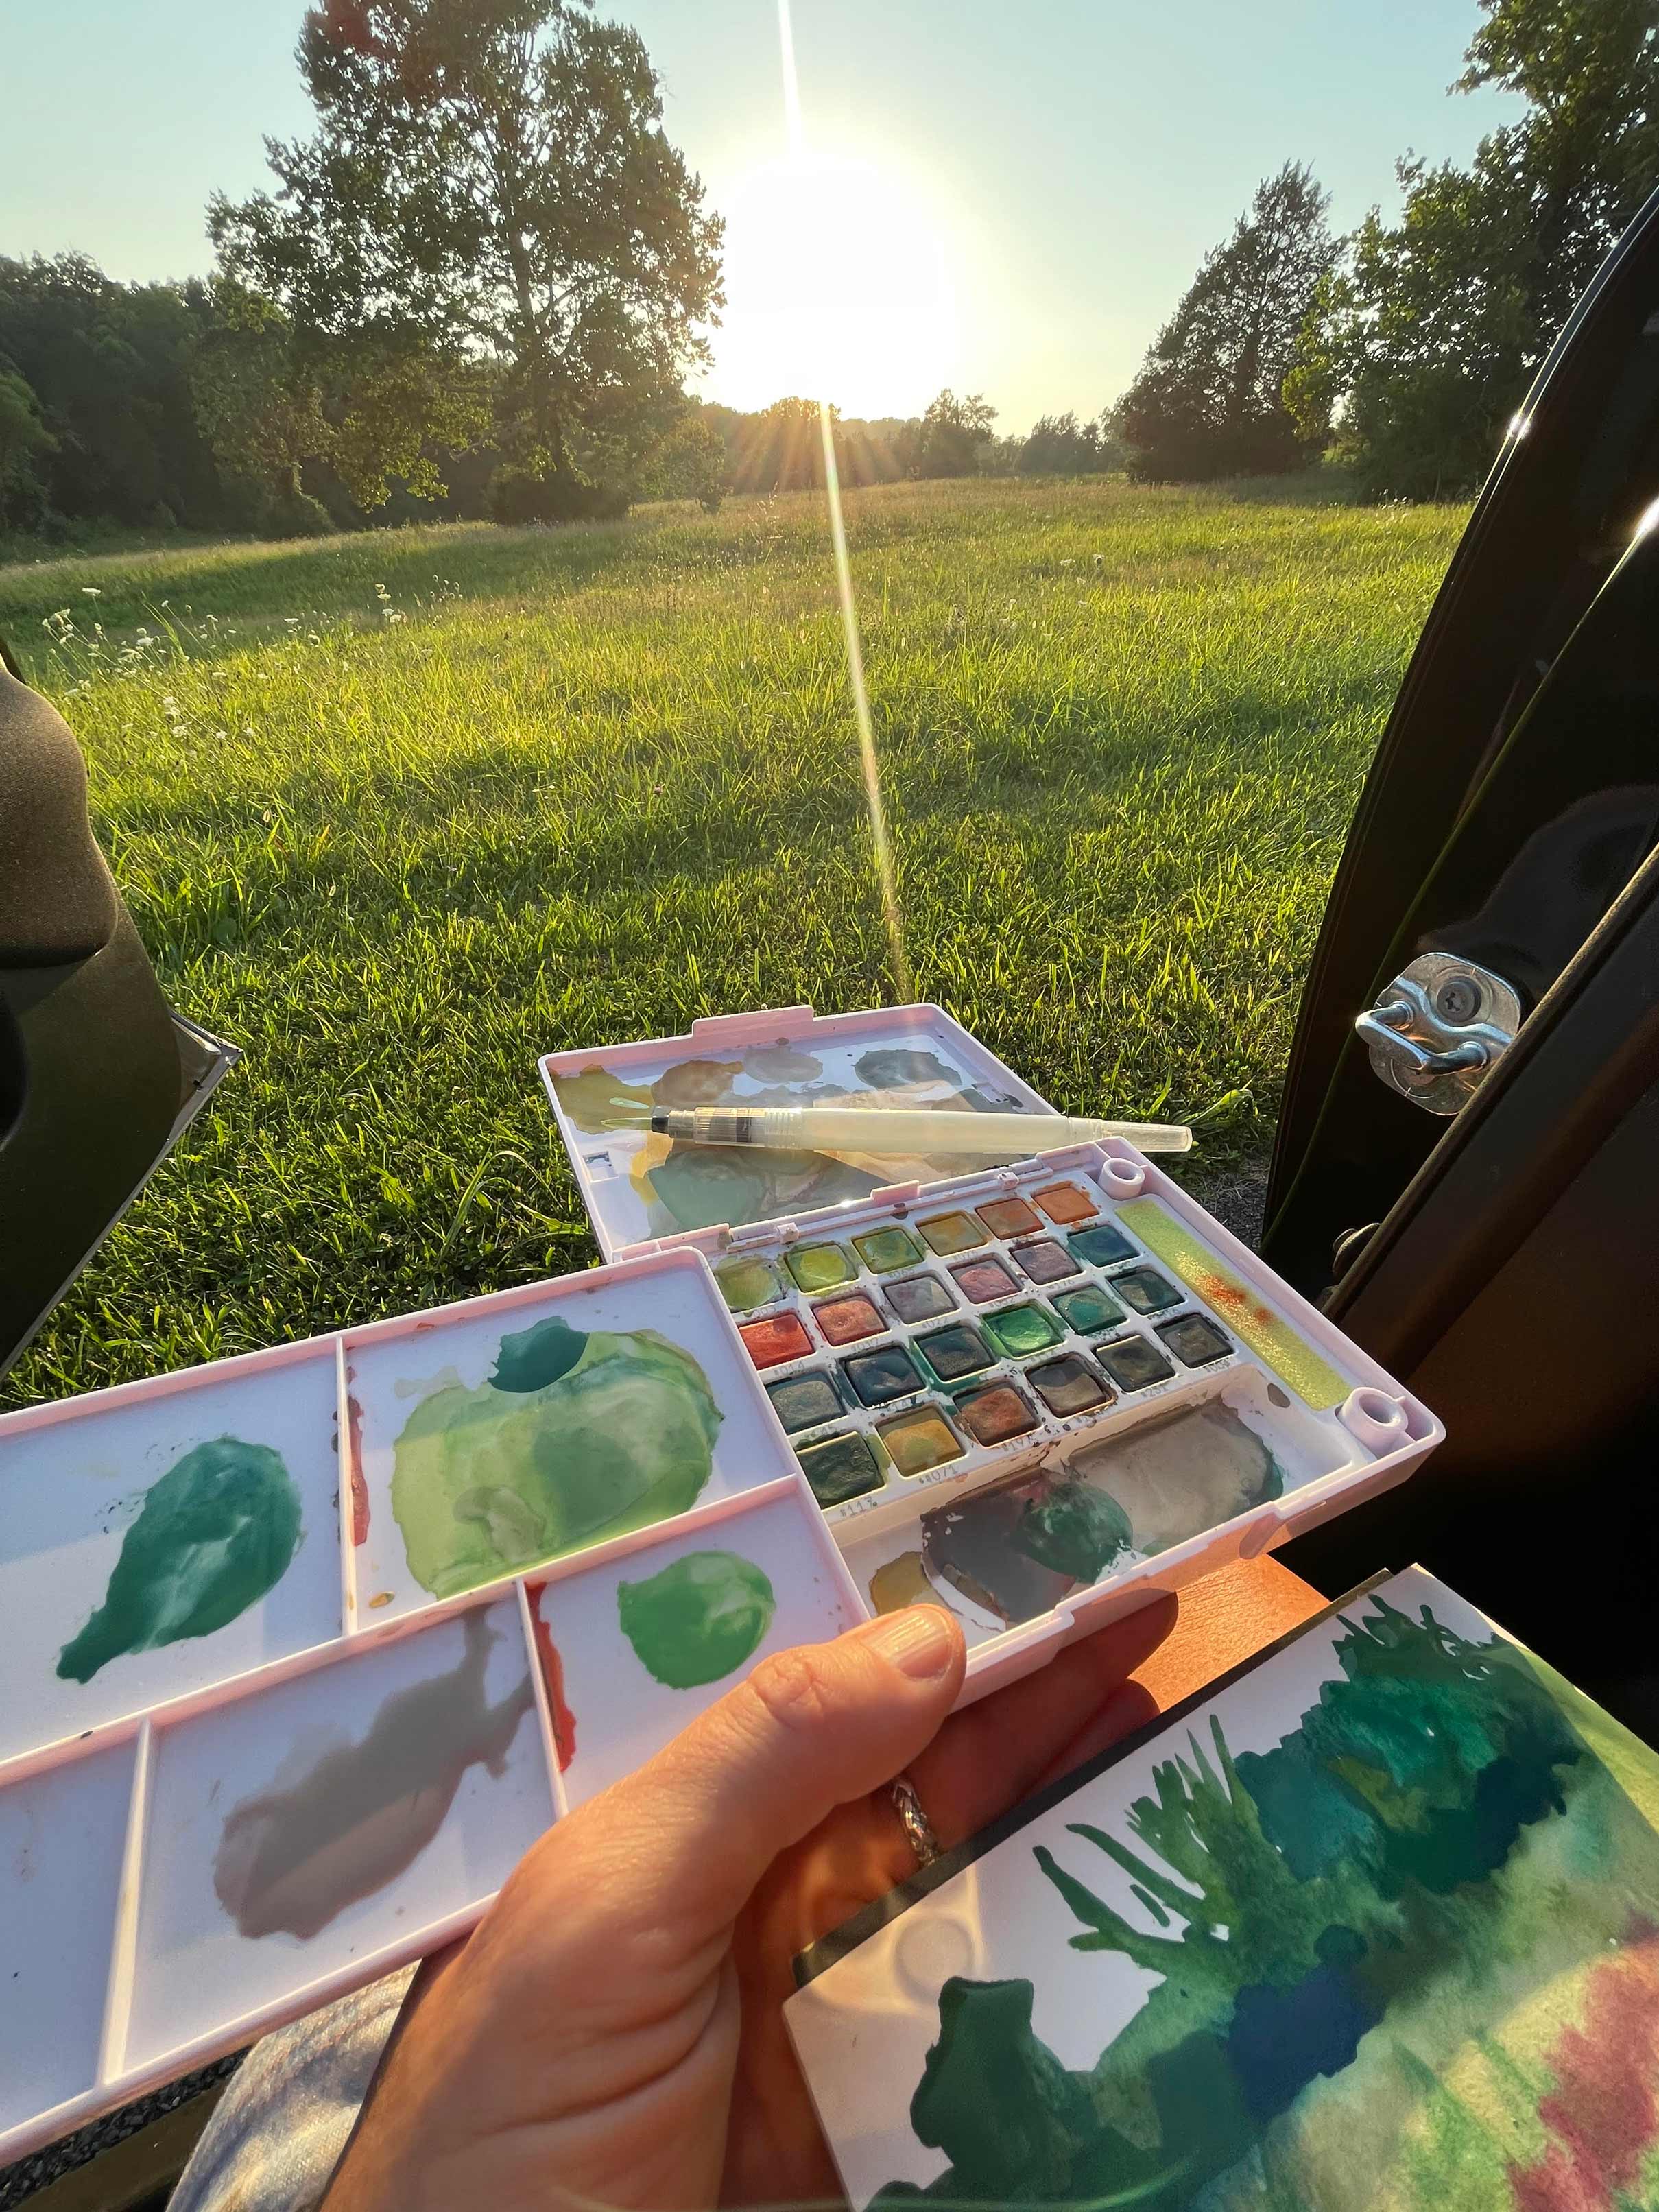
x=166 y=1536
x=575 y=1435
x=1380 y=1928
x=333 y=1829
x=698 y=1620
x=677 y=1186
x=216 y=1534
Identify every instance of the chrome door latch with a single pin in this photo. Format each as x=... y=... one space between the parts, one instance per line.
x=1439 y=1029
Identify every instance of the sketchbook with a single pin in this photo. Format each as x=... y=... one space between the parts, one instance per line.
x=1374 y=1922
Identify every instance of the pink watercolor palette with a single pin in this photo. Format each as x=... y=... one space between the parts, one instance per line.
x=639 y=1188
x=308 y=1647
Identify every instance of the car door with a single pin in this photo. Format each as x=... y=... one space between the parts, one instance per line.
x=1467 y=1169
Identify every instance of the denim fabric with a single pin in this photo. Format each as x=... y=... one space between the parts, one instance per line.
x=277 y=2136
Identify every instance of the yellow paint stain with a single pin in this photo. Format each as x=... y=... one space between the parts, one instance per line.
x=379 y=1598
x=1254 y=1322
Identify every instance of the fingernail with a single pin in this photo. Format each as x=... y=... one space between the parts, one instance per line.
x=920 y=1641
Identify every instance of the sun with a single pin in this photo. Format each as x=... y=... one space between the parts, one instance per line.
x=838 y=286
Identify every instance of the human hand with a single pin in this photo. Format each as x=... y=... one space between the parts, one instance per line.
x=612 y=2031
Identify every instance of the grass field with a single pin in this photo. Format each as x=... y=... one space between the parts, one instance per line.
x=398 y=812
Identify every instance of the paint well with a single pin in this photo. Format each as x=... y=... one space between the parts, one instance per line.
x=771 y=1342
x=972 y=1545
x=1018 y=1331
x=952 y=1232
x=1045 y=1261
x=845 y=1320
x=1102 y=1246
x=1194 y=1340
x=880 y=1377
x=1146 y=1290
x=982 y=1280
x=1064 y=1201
x=699 y=1620
x=819 y=1267
x=1132 y=1364
x=953 y=1353
x=1177 y=1477
x=1068 y=1385
x=840 y=1468
x=576 y=1436
x=991 y=1416
x=922 y=1298
x=291 y=1858
x=1268 y=1335
x=746 y=1283
x=1008 y=1217
x=214 y=1535
x=918 y=1442
x=805 y=1401
x=882 y=1251
x=1089 y=1310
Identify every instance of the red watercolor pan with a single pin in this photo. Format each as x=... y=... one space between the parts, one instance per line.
x=847 y=1321
x=771 y=1342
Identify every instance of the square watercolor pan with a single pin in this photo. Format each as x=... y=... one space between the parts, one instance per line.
x=640 y=1188
x=1144 y=1354
x=175 y=1883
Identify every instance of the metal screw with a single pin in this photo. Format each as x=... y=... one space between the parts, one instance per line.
x=1457 y=999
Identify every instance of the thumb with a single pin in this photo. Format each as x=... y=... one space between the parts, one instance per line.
x=810 y=1729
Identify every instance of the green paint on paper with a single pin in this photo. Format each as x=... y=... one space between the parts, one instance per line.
x=597 y=1101
x=883 y=1250
x=819 y=1267
x=1019 y=1330
x=838 y=1468
x=1074 y=1529
x=576 y=1437
x=214 y=1535
x=1271 y=1337
x=746 y=1283
x=698 y=1620
x=348 y=1823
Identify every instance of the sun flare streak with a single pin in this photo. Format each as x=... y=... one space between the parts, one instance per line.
x=886 y=873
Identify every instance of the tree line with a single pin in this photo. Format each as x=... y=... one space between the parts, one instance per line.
x=480 y=287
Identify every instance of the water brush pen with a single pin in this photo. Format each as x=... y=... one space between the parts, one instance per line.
x=906 y=1130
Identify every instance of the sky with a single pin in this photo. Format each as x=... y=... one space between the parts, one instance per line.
x=1004 y=198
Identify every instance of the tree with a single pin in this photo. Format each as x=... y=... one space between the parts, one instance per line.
x=24 y=438
x=1206 y=402
x=271 y=399
x=107 y=364
x=1418 y=351
x=1060 y=445
x=489 y=178
x=953 y=433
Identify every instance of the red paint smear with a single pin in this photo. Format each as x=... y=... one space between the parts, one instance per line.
x=564 y=1721
x=1232 y=1299
x=359 y=1486
x=1602 y=2113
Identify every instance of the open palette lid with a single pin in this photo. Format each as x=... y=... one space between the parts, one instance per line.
x=643 y=1190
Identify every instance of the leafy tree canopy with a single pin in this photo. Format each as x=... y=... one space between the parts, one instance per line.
x=489 y=178
x=1419 y=349
x=1206 y=402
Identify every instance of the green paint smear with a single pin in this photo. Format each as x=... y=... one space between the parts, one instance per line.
x=697 y=1621
x=215 y=1533
x=1074 y=1529
x=576 y=1437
